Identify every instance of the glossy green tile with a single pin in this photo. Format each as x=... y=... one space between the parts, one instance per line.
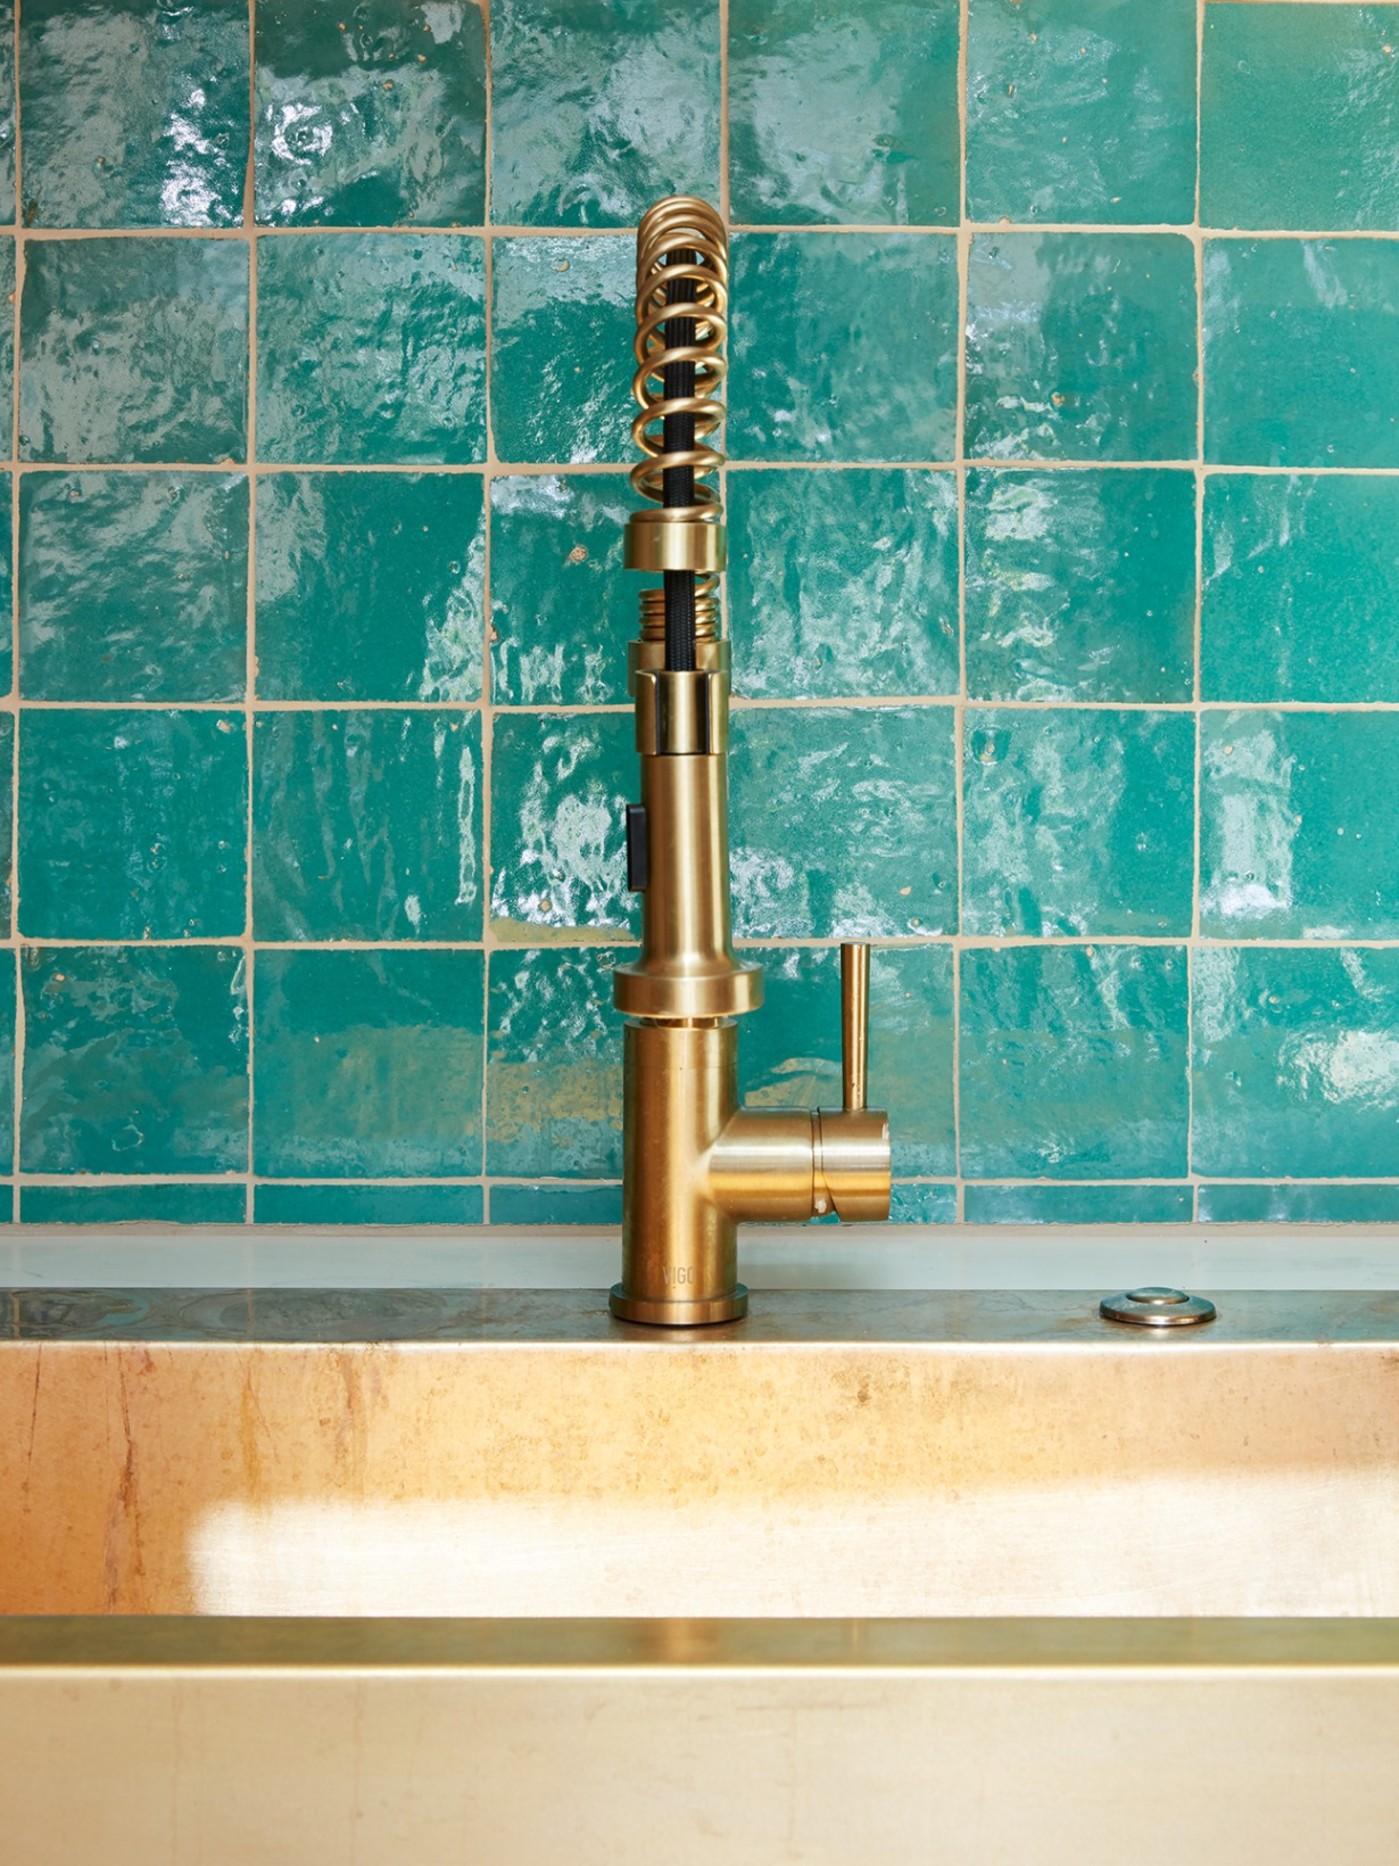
x=1301 y=367
x=370 y=586
x=1299 y=575
x=8 y=113
x=563 y=321
x=1081 y=346
x=841 y=116
x=1079 y=1205
x=1080 y=585
x=370 y=116
x=133 y=586
x=135 y=1060
x=208 y=1204
x=1299 y=838
x=371 y=349
x=789 y=1054
x=1294 y=1054
x=7 y=1204
x=7 y=584
x=844 y=347
x=560 y=784
x=134 y=350
x=843 y=583
x=367 y=1205
x=1299 y=117
x=133 y=825
x=1299 y=1205
x=843 y=822
x=7 y=821
x=914 y=1204
x=1073 y=1062
x=554 y=1067
x=1077 y=821
x=553 y=1204
x=368 y=1064
x=1081 y=110
x=597 y=111
x=134 y=116
x=562 y=607
x=367 y=825
x=9 y=990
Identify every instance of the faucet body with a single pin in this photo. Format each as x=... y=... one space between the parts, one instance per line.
x=696 y=1163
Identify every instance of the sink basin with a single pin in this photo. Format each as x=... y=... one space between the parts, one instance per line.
x=889 y=1576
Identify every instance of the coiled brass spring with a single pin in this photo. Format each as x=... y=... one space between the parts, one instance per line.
x=681 y=239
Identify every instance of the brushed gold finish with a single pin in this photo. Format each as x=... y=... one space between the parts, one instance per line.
x=695 y=1163
x=854 y=1024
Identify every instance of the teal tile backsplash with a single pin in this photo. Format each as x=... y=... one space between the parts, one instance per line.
x=133 y=586
x=1082 y=111
x=1064 y=547
x=133 y=115
x=370 y=116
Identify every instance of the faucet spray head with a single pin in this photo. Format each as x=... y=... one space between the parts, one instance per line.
x=682 y=294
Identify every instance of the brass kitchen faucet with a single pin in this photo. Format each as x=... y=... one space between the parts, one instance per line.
x=695 y=1162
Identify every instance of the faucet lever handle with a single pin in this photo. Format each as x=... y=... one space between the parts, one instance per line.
x=854 y=1024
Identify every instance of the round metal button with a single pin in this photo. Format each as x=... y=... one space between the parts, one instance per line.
x=1155 y=1307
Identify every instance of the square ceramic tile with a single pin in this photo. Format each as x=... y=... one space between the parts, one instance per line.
x=1080 y=584
x=843 y=583
x=562 y=608
x=367 y=825
x=134 y=116
x=1073 y=1062
x=134 y=350
x=1081 y=346
x=372 y=115
x=367 y=1205
x=8 y=115
x=9 y=987
x=133 y=586
x=554 y=1203
x=563 y=321
x=554 y=1066
x=1079 y=1205
x=353 y=1049
x=915 y=1204
x=370 y=586
x=371 y=349
x=597 y=111
x=133 y=825
x=1082 y=111
x=843 y=822
x=7 y=822
x=844 y=347
x=1078 y=821
x=837 y=115
x=207 y=1203
x=135 y=1060
x=1299 y=1205
x=560 y=785
x=1299 y=575
x=1301 y=367
x=7 y=583
x=1299 y=117
x=1299 y=838
x=789 y=1053
x=1293 y=1066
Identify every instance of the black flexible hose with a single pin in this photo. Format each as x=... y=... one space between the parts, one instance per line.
x=678 y=482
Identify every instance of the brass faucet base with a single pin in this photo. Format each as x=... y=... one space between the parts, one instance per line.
x=728 y=1308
